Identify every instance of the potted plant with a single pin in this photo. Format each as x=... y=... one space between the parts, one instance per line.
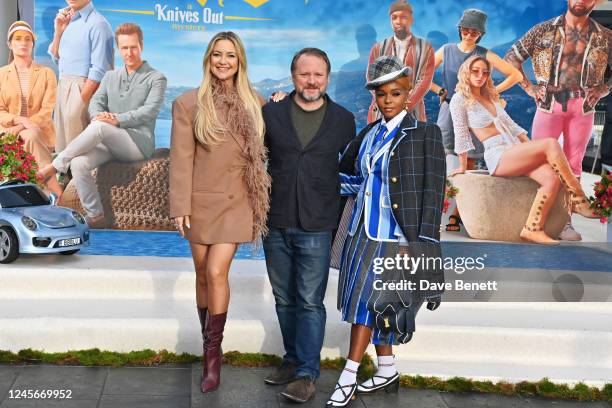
x=15 y=162
x=602 y=202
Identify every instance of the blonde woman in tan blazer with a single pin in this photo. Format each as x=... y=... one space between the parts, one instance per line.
x=27 y=97
x=219 y=188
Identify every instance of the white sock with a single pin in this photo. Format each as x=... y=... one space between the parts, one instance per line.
x=348 y=376
x=386 y=368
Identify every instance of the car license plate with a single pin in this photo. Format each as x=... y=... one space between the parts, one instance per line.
x=69 y=242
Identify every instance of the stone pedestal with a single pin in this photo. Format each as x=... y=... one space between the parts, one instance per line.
x=495 y=208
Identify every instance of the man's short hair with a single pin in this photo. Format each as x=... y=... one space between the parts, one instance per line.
x=127 y=29
x=315 y=52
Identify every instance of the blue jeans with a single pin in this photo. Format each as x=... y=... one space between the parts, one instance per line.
x=298 y=268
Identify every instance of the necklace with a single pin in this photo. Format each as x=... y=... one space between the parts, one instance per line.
x=24 y=91
x=19 y=73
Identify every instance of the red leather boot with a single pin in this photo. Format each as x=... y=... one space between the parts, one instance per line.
x=203 y=315
x=211 y=377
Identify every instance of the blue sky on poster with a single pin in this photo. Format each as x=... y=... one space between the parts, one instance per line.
x=328 y=24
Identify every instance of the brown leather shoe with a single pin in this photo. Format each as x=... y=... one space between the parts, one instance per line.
x=211 y=377
x=281 y=375
x=300 y=390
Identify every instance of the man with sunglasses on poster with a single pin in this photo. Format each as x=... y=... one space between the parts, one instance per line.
x=570 y=56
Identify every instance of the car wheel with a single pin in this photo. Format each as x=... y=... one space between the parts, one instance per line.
x=9 y=245
x=71 y=252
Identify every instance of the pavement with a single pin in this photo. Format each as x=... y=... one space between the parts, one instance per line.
x=177 y=386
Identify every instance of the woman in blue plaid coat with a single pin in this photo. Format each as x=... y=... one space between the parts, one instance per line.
x=396 y=169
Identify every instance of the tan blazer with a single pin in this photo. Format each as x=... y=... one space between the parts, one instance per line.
x=207 y=183
x=41 y=98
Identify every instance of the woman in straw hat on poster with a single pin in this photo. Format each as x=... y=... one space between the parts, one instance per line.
x=27 y=97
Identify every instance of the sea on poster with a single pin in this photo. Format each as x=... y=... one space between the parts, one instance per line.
x=176 y=33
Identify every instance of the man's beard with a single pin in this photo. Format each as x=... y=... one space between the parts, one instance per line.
x=583 y=11
x=401 y=33
x=310 y=98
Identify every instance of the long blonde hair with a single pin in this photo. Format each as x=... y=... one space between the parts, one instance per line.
x=463 y=85
x=208 y=128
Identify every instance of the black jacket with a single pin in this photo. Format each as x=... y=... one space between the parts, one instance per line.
x=417 y=175
x=305 y=181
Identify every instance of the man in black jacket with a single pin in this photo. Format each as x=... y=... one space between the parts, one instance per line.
x=305 y=133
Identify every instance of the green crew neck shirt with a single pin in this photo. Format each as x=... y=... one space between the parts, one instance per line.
x=307 y=123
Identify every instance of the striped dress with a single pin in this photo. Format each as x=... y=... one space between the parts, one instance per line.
x=374 y=233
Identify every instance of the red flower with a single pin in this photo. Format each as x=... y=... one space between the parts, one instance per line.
x=20 y=163
x=446 y=205
x=602 y=202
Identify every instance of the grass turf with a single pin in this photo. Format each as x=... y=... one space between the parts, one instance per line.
x=96 y=357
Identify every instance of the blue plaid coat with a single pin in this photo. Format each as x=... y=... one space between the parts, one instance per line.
x=417 y=176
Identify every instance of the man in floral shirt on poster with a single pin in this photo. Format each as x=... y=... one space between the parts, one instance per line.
x=570 y=55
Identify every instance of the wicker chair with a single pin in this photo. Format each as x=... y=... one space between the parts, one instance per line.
x=134 y=195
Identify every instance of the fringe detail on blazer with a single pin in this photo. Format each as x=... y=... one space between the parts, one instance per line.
x=258 y=182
